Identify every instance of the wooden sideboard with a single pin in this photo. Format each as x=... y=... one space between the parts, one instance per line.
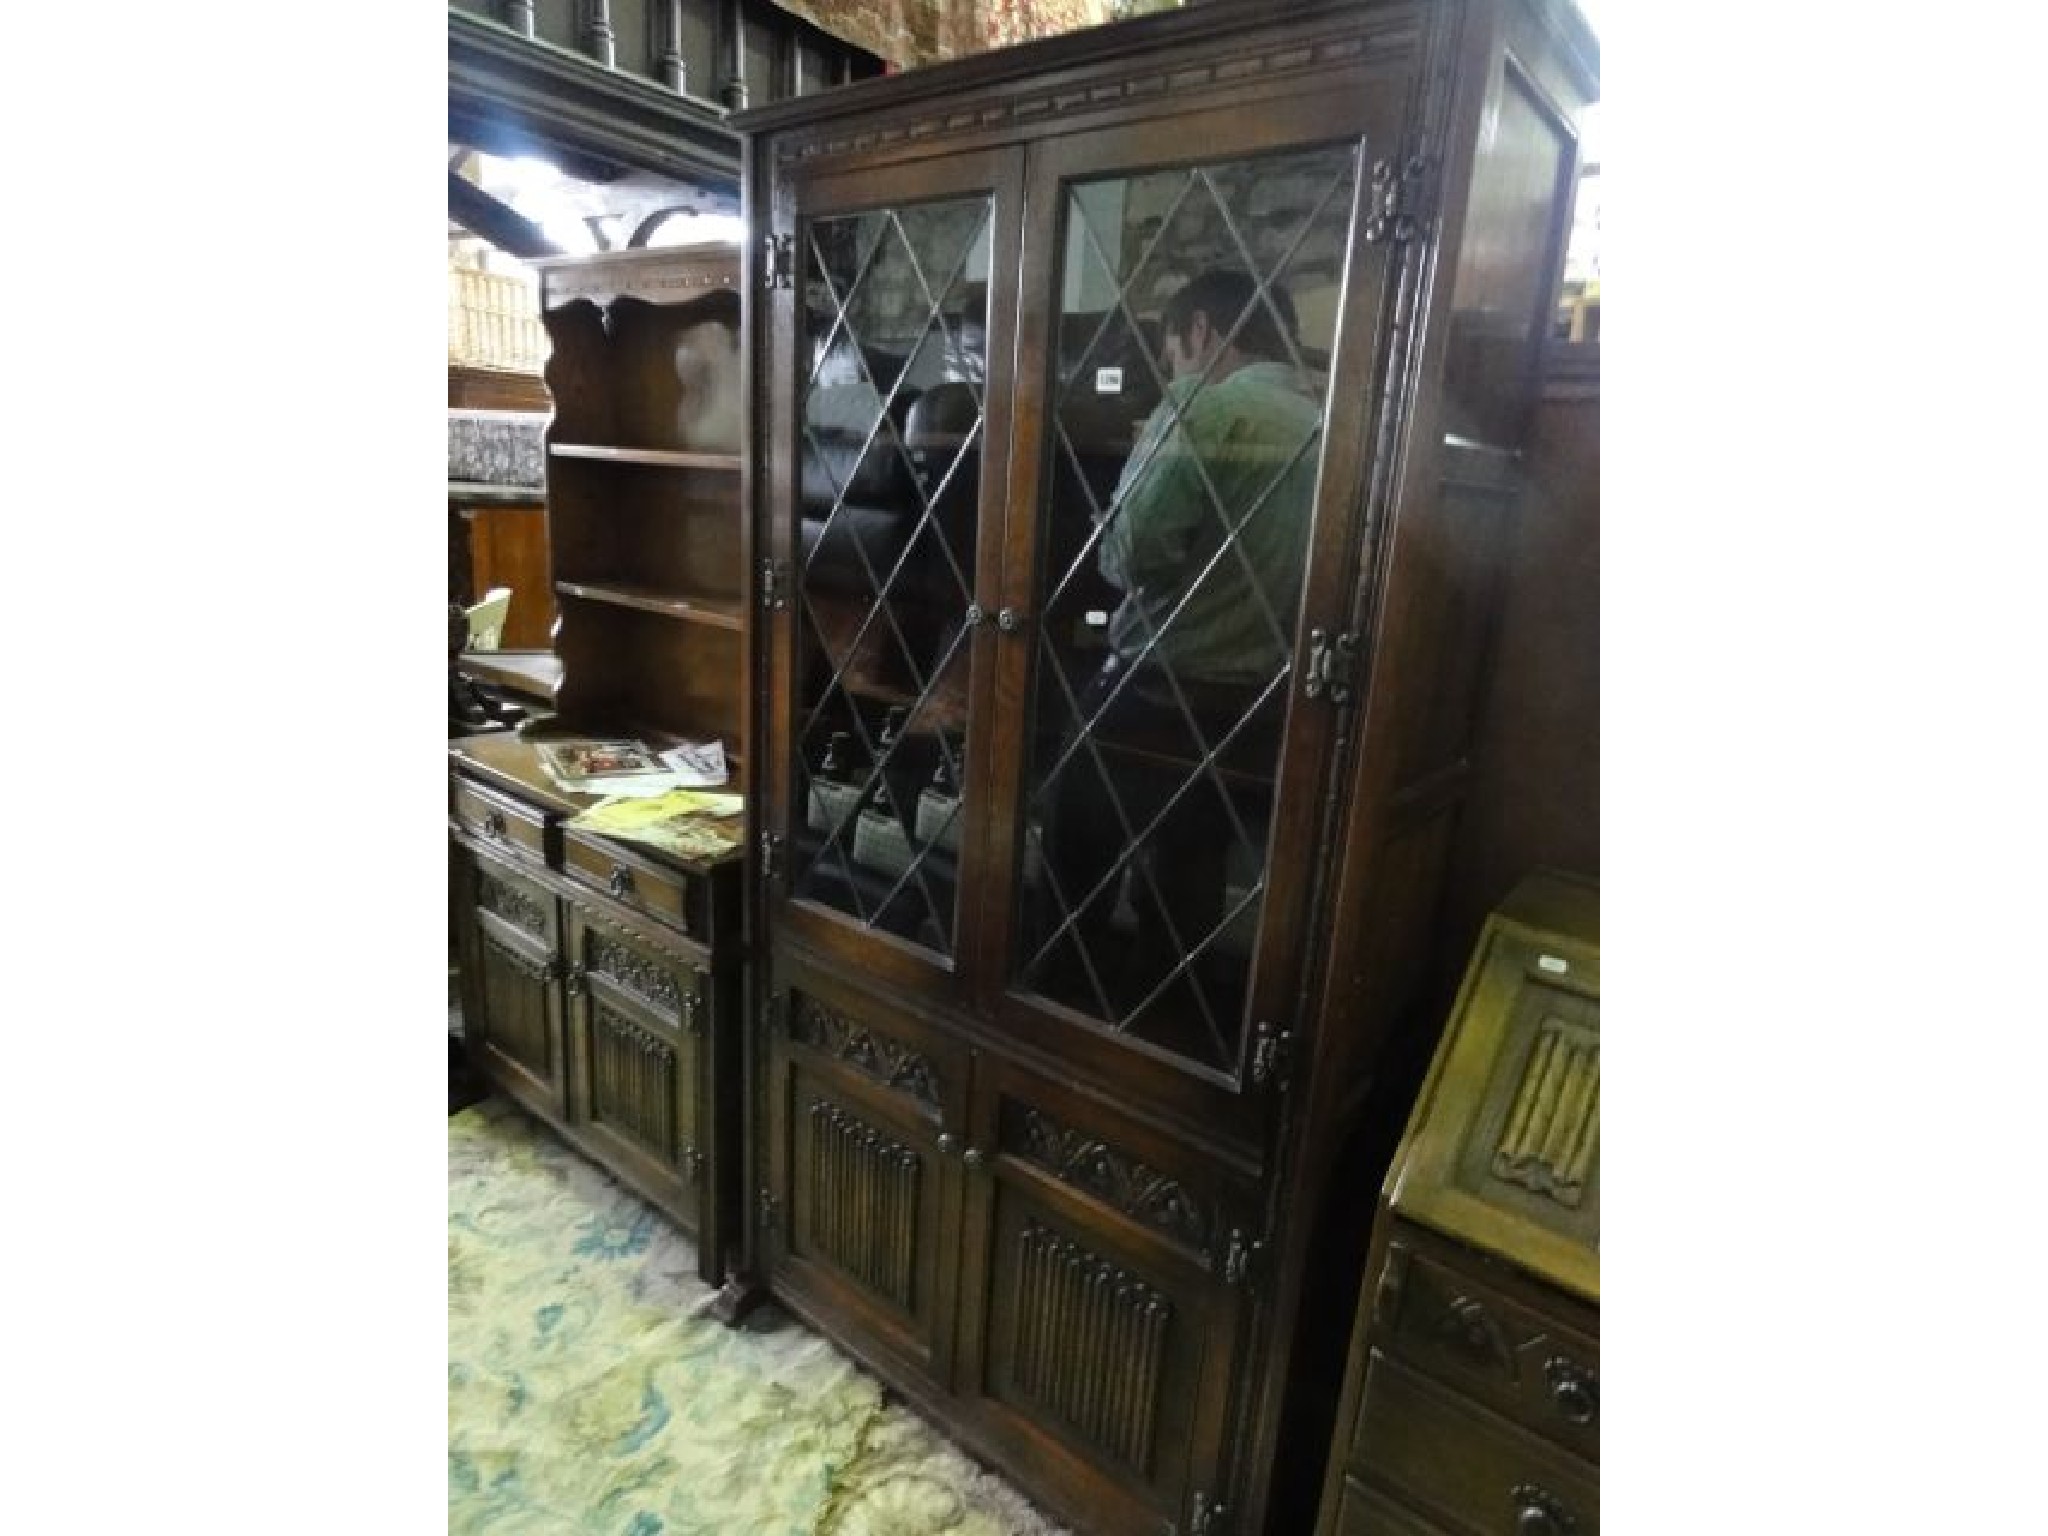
x=1472 y=1395
x=601 y=986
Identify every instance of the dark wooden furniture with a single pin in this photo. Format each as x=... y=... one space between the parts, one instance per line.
x=1472 y=1397
x=1069 y=1016
x=602 y=981
x=601 y=986
x=645 y=530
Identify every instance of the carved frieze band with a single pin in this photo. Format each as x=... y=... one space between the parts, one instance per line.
x=887 y=1061
x=862 y=1212
x=1395 y=37
x=1091 y=1343
x=510 y=903
x=1096 y=1168
x=1553 y=1124
x=633 y=1081
x=653 y=983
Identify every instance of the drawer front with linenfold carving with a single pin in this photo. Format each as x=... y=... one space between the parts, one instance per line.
x=601 y=864
x=499 y=820
x=1471 y=1337
x=1465 y=1467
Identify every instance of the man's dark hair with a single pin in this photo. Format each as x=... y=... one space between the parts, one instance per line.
x=1223 y=295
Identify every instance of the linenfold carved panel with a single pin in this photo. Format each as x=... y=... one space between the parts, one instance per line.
x=863 y=1211
x=633 y=1081
x=515 y=1002
x=1096 y=1168
x=1553 y=1125
x=1091 y=1343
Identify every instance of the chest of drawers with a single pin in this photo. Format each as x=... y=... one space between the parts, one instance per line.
x=1472 y=1394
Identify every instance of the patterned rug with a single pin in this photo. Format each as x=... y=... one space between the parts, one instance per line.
x=588 y=1393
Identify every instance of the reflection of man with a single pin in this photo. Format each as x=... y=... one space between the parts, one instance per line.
x=1236 y=421
x=1207 y=538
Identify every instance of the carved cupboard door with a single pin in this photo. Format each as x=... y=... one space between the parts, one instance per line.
x=1101 y=1297
x=859 y=1216
x=516 y=995
x=636 y=1012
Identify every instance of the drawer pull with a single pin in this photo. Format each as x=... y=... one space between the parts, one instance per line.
x=494 y=823
x=622 y=880
x=1539 y=1512
x=1574 y=1389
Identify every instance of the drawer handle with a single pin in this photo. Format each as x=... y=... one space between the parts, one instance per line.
x=622 y=880
x=494 y=823
x=1574 y=1390
x=1539 y=1512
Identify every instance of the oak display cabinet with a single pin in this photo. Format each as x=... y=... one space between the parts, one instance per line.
x=1092 y=907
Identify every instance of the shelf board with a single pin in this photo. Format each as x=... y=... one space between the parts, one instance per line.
x=718 y=612
x=663 y=457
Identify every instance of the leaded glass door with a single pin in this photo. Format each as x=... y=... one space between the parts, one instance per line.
x=1205 y=379
x=897 y=427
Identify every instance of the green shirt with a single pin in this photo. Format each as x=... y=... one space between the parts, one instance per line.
x=1250 y=438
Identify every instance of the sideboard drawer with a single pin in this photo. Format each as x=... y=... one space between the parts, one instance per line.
x=500 y=820
x=1470 y=1469
x=1515 y=1360
x=601 y=864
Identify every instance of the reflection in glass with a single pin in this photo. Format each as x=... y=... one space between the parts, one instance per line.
x=1192 y=343
x=891 y=424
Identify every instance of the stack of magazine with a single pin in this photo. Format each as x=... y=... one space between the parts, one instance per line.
x=590 y=766
x=646 y=798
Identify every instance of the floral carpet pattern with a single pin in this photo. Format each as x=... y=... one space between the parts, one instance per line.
x=589 y=1393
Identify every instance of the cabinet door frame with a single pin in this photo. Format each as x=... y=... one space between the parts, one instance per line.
x=1102 y=1190
x=538 y=951
x=683 y=1035
x=893 y=1074
x=1355 y=404
x=798 y=199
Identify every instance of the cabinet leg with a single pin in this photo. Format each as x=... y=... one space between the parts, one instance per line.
x=736 y=1299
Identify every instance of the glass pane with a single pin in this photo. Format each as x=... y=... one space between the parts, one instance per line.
x=891 y=424
x=1197 y=312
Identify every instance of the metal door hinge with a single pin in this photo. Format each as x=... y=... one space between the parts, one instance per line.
x=1204 y=1518
x=775 y=1013
x=1330 y=662
x=771 y=1211
x=1238 y=1258
x=577 y=979
x=774 y=584
x=1396 y=205
x=778 y=261
x=1272 y=1057
x=771 y=855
